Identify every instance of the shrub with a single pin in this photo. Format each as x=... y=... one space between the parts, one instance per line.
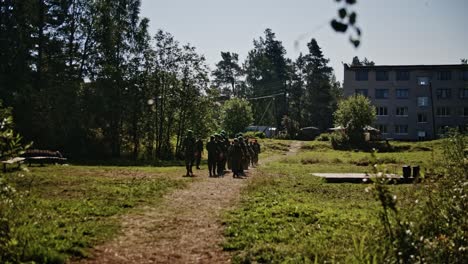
x=340 y=140
x=432 y=229
x=323 y=137
x=254 y=134
x=354 y=114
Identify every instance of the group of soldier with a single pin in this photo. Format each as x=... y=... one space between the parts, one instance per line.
x=223 y=154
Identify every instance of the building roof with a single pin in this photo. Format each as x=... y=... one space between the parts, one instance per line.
x=414 y=67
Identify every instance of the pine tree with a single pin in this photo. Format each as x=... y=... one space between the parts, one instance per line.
x=319 y=99
x=227 y=75
x=268 y=76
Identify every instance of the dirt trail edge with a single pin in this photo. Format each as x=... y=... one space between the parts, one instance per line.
x=185 y=228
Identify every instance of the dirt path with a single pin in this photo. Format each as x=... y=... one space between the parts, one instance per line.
x=186 y=228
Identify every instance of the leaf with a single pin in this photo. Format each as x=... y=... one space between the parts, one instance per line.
x=338 y=26
x=350 y=2
x=355 y=42
x=358 y=31
x=342 y=13
x=352 y=18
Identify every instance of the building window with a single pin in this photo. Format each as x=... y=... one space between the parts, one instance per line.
x=464 y=75
x=464 y=93
x=421 y=135
x=361 y=91
x=401 y=129
x=443 y=111
x=381 y=93
x=402 y=111
x=382 y=128
x=362 y=75
x=381 y=111
x=422 y=81
x=423 y=101
x=422 y=118
x=381 y=75
x=444 y=93
x=402 y=75
x=444 y=75
x=402 y=93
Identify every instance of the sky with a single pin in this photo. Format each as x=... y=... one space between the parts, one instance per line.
x=393 y=31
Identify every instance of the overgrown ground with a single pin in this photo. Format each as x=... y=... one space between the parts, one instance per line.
x=66 y=210
x=287 y=215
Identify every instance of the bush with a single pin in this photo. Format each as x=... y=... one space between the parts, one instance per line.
x=254 y=134
x=340 y=140
x=323 y=137
x=354 y=114
x=432 y=228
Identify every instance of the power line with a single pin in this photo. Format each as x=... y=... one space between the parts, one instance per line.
x=266 y=96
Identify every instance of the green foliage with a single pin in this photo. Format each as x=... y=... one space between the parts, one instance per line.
x=236 y=115
x=298 y=219
x=254 y=134
x=314 y=91
x=430 y=225
x=267 y=72
x=10 y=142
x=227 y=75
x=323 y=137
x=291 y=127
x=289 y=215
x=61 y=212
x=345 y=20
x=354 y=114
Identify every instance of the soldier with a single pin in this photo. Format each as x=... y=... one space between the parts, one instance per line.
x=236 y=154
x=256 y=148
x=189 y=152
x=245 y=156
x=212 y=149
x=199 y=152
x=221 y=155
x=251 y=153
x=225 y=147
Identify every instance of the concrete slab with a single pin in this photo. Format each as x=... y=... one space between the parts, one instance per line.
x=360 y=177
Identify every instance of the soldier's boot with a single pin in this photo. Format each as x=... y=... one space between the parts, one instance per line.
x=188 y=170
x=191 y=172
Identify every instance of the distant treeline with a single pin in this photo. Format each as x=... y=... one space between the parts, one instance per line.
x=87 y=78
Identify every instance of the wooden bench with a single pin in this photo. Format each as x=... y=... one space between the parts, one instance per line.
x=18 y=160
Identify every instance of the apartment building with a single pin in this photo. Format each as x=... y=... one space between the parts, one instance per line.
x=412 y=102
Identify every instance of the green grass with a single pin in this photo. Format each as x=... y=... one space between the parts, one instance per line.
x=289 y=216
x=69 y=209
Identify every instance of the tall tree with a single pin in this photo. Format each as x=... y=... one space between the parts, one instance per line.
x=268 y=76
x=318 y=99
x=227 y=75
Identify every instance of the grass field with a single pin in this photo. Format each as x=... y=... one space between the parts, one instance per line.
x=68 y=209
x=289 y=216
x=286 y=214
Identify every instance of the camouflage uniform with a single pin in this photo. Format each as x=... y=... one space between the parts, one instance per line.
x=189 y=152
x=212 y=148
x=199 y=152
x=256 y=148
x=236 y=153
